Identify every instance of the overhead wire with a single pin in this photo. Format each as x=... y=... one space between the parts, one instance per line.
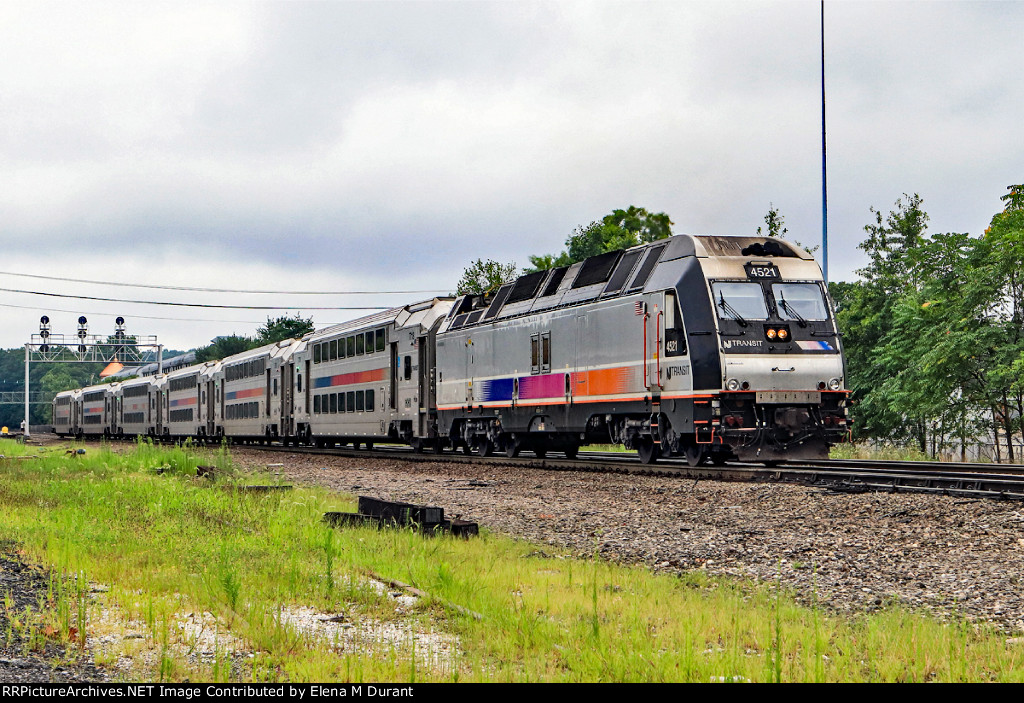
x=196 y=305
x=136 y=317
x=218 y=290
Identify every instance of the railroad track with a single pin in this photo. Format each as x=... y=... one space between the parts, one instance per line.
x=961 y=480
x=999 y=481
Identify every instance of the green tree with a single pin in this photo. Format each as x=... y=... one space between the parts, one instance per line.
x=865 y=315
x=934 y=331
x=775 y=224
x=284 y=327
x=1014 y=199
x=621 y=229
x=482 y=276
x=222 y=347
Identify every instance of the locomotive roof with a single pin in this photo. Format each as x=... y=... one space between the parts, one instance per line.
x=607 y=275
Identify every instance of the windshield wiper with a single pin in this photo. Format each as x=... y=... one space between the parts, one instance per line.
x=792 y=311
x=730 y=310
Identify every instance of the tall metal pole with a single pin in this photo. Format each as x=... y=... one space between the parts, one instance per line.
x=28 y=430
x=824 y=188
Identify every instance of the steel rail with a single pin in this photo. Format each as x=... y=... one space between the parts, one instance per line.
x=850 y=477
x=824 y=475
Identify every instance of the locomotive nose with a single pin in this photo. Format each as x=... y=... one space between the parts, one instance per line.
x=784 y=373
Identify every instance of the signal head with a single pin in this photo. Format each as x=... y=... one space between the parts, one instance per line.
x=44 y=320
x=82 y=320
x=119 y=321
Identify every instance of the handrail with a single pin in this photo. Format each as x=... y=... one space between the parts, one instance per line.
x=657 y=348
x=647 y=383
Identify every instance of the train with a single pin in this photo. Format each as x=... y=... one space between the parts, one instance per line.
x=708 y=348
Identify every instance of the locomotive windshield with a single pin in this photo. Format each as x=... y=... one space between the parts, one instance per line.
x=800 y=301
x=739 y=301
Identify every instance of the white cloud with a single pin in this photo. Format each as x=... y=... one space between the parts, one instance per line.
x=394 y=142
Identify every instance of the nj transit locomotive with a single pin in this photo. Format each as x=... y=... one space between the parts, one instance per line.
x=709 y=348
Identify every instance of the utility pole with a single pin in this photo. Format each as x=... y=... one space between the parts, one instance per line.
x=27 y=431
x=824 y=177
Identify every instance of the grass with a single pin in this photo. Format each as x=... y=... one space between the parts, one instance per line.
x=865 y=451
x=171 y=546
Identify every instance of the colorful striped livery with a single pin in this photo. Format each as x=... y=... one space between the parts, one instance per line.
x=238 y=395
x=349 y=379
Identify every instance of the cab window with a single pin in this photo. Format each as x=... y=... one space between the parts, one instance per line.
x=796 y=301
x=739 y=301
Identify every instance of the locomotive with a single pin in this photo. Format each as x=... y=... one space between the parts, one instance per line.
x=705 y=347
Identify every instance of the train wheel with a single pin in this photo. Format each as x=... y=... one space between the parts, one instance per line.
x=571 y=452
x=417 y=445
x=512 y=448
x=438 y=445
x=484 y=447
x=647 y=450
x=695 y=456
x=541 y=452
x=369 y=446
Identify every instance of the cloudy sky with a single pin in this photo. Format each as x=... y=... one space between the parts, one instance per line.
x=382 y=146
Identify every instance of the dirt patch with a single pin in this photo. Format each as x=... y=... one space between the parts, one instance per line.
x=34 y=658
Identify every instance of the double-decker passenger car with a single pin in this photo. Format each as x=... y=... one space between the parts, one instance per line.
x=93 y=411
x=369 y=379
x=138 y=410
x=249 y=391
x=187 y=401
x=64 y=407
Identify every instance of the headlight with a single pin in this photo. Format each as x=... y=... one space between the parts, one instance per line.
x=770 y=333
x=834 y=384
x=783 y=333
x=732 y=384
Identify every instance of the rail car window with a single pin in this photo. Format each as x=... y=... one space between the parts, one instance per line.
x=545 y=352
x=596 y=269
x=341 y=348
x=350 y=346
x=622 y=271
x=351 y=403
x=316 y=405
x=407 y=363
x=369 y=401
x=359 y=401
x=534 y=353
x=316 y=354
x=796 y=301
x=526 y=287
x=380 y=340
x=369 y=342
x=360 y=348
x=556 y=279
x=739 y=301
x=647 y=267
x=334 y=402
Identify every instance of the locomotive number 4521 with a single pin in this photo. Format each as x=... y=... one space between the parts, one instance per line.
x=761 y=270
